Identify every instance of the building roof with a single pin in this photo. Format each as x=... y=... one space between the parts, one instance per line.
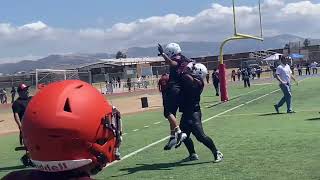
x=116 y=62
x=128 y=61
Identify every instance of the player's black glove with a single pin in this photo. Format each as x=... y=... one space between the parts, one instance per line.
x=160 y=49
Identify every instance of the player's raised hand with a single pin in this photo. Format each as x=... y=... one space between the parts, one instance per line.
x=160 y=49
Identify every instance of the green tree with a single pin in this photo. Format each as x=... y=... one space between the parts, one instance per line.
x=306 y=42
x=286 y=46
x=120 y=55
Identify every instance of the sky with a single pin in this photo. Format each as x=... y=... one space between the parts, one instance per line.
x=36 y=28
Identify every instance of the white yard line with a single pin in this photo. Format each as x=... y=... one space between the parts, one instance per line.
x=262 y=96
x=210 y=105
x=135 y=130
x=263 y=113
x=157 y=122
x=145 y=126
x=261 y=84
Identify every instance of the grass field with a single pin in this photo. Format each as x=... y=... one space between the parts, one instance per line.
x=256 y=143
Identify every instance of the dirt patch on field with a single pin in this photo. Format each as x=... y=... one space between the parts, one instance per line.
x=133 y=104
x=7 y=123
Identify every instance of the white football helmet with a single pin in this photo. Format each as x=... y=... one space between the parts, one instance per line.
x=198 y=69
x=172 y=49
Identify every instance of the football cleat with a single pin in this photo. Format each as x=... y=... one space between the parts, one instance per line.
x=172 y=142
x=193 y=157
x=180 y=138
x=219 y=157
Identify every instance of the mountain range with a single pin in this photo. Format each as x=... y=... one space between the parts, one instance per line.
x=190 y=49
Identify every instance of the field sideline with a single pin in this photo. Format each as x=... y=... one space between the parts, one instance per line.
x=257 y=143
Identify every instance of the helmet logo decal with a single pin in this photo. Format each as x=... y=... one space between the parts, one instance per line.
x=56 y=166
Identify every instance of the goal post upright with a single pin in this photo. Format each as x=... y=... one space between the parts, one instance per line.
x=237 y=36
x=36 y=78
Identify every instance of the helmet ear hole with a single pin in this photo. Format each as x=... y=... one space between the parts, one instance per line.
x=67 y=107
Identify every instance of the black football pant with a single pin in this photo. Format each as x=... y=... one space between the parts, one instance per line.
x=171 y=100
x=191 y=123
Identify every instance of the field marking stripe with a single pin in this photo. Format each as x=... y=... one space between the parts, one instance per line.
x=165 y=138
x=262 y=96
x=157 y=122
x=209 y=105
x=137 y=151
x=261 y=84
x=262 y=113
x=135 y=130
x=212 y=117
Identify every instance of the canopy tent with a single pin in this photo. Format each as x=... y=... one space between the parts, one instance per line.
x=296 y=56
x=273 y=57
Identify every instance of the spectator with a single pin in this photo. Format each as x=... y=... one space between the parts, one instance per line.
x=207 y=78
x=110 y=87
x=1 y=96
x=117 y=127
x=292 y=69
x=4 y=96
x=107 y=87
x=119 y=81
x=129 y=84
x=145 y=82
x=163 y=83
x=307 y=68
x=299 y=67
x=259 y=71
x=246 y=77
x=253 y=72
x=19 y=106
x=273 y=71
x=239 y=74
x=139 y=82
x=284 y=76
x=162 y=86
x=114 y=82
x=314 y=67
x=13 y=94
x=233 y=75
x=215 y=80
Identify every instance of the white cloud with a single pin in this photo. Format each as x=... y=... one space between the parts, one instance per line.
x=213 y=24
x=303 y=8
x=273 y=3
x=34 y=26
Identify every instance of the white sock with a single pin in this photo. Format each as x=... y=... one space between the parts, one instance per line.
x=177 y=129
